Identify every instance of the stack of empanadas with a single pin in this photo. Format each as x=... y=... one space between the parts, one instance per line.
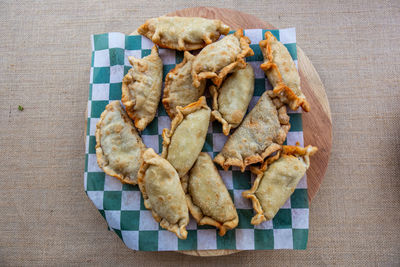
x=184 y=179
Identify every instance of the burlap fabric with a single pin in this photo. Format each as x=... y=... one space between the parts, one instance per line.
x=45 y=54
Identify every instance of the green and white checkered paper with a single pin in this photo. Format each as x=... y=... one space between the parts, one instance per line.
x=122 y=205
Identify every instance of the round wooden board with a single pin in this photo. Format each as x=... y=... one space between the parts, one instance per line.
x=317 y=124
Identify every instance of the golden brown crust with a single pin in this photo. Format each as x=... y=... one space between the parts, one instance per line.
x=299 y=151
x=178 y=89
x=182 y=113
x=217 y=71
x=250 y=194
x=183 y=33
x=165 y=100
x=208 y=199
x=296 y=151
x=102 y=159
x=193 y=135
x=168 y=178
x=201 y=219
x=141 y=88
x=226 y=127
x=231 y=100
x=281 y=89
x=261 y=133
x=287 y=151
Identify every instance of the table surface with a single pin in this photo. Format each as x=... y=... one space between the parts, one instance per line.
x=46 y=217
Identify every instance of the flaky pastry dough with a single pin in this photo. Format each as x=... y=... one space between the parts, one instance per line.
x=276 y=180
x=231 y=100
x=261 y=133
x=183 y=33
x=119 y=147
x=208 y=199
x=281 y=72
x=219 y=59
x=163 y=194
x=179 y=90
x=184 y=141
x=141 y=88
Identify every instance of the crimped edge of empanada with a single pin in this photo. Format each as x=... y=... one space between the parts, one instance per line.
x=201 y=219
x=287 y=151
x=149 y=158
x=218 y=78
x=187 y=56
x=182 y=44
x=216 y=115
x=127 y=99
x=198 y=214
x=226 y=126
x=101 y=158
x=283 y=118
x=182 y=112
x=281 y=90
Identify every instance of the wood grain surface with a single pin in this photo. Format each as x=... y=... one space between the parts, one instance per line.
x=317 y=124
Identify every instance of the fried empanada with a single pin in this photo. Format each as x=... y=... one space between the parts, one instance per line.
x=281 y=72
x=141 y=88
x=119 y=147
x=184 y=141
x=163 y=194
x=179 y=90
x=219 y=59
x=183 y=33
x=261 y=133
x=276 y=181
x=231 y=100
x=208 y=199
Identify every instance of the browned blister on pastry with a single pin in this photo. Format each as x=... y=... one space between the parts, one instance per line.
x=141 y=88
x=183 y=33
x=231 y=100
x=261 y=133
x=119 y=147
x=208 y=199
x=163 y=194
x=276 y=181
x=219 y=59
x=281 y=72
x=179 y=90
x=184 y=141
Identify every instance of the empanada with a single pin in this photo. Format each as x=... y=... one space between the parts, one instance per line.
x=219 y=59
x=261 y=133
x=179 y=90
x=277 y=180
x=163 y=194
x=119 y=147
x=208 y=199
x=231 y=100
x=281 y=72
x=184 y=141
x=183 y=33
x=141 y=88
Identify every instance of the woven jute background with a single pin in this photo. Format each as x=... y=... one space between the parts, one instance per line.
x=46 y=217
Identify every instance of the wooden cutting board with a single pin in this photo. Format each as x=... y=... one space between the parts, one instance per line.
x=317 y=124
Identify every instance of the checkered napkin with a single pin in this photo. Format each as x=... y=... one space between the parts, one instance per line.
x=121 y=205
